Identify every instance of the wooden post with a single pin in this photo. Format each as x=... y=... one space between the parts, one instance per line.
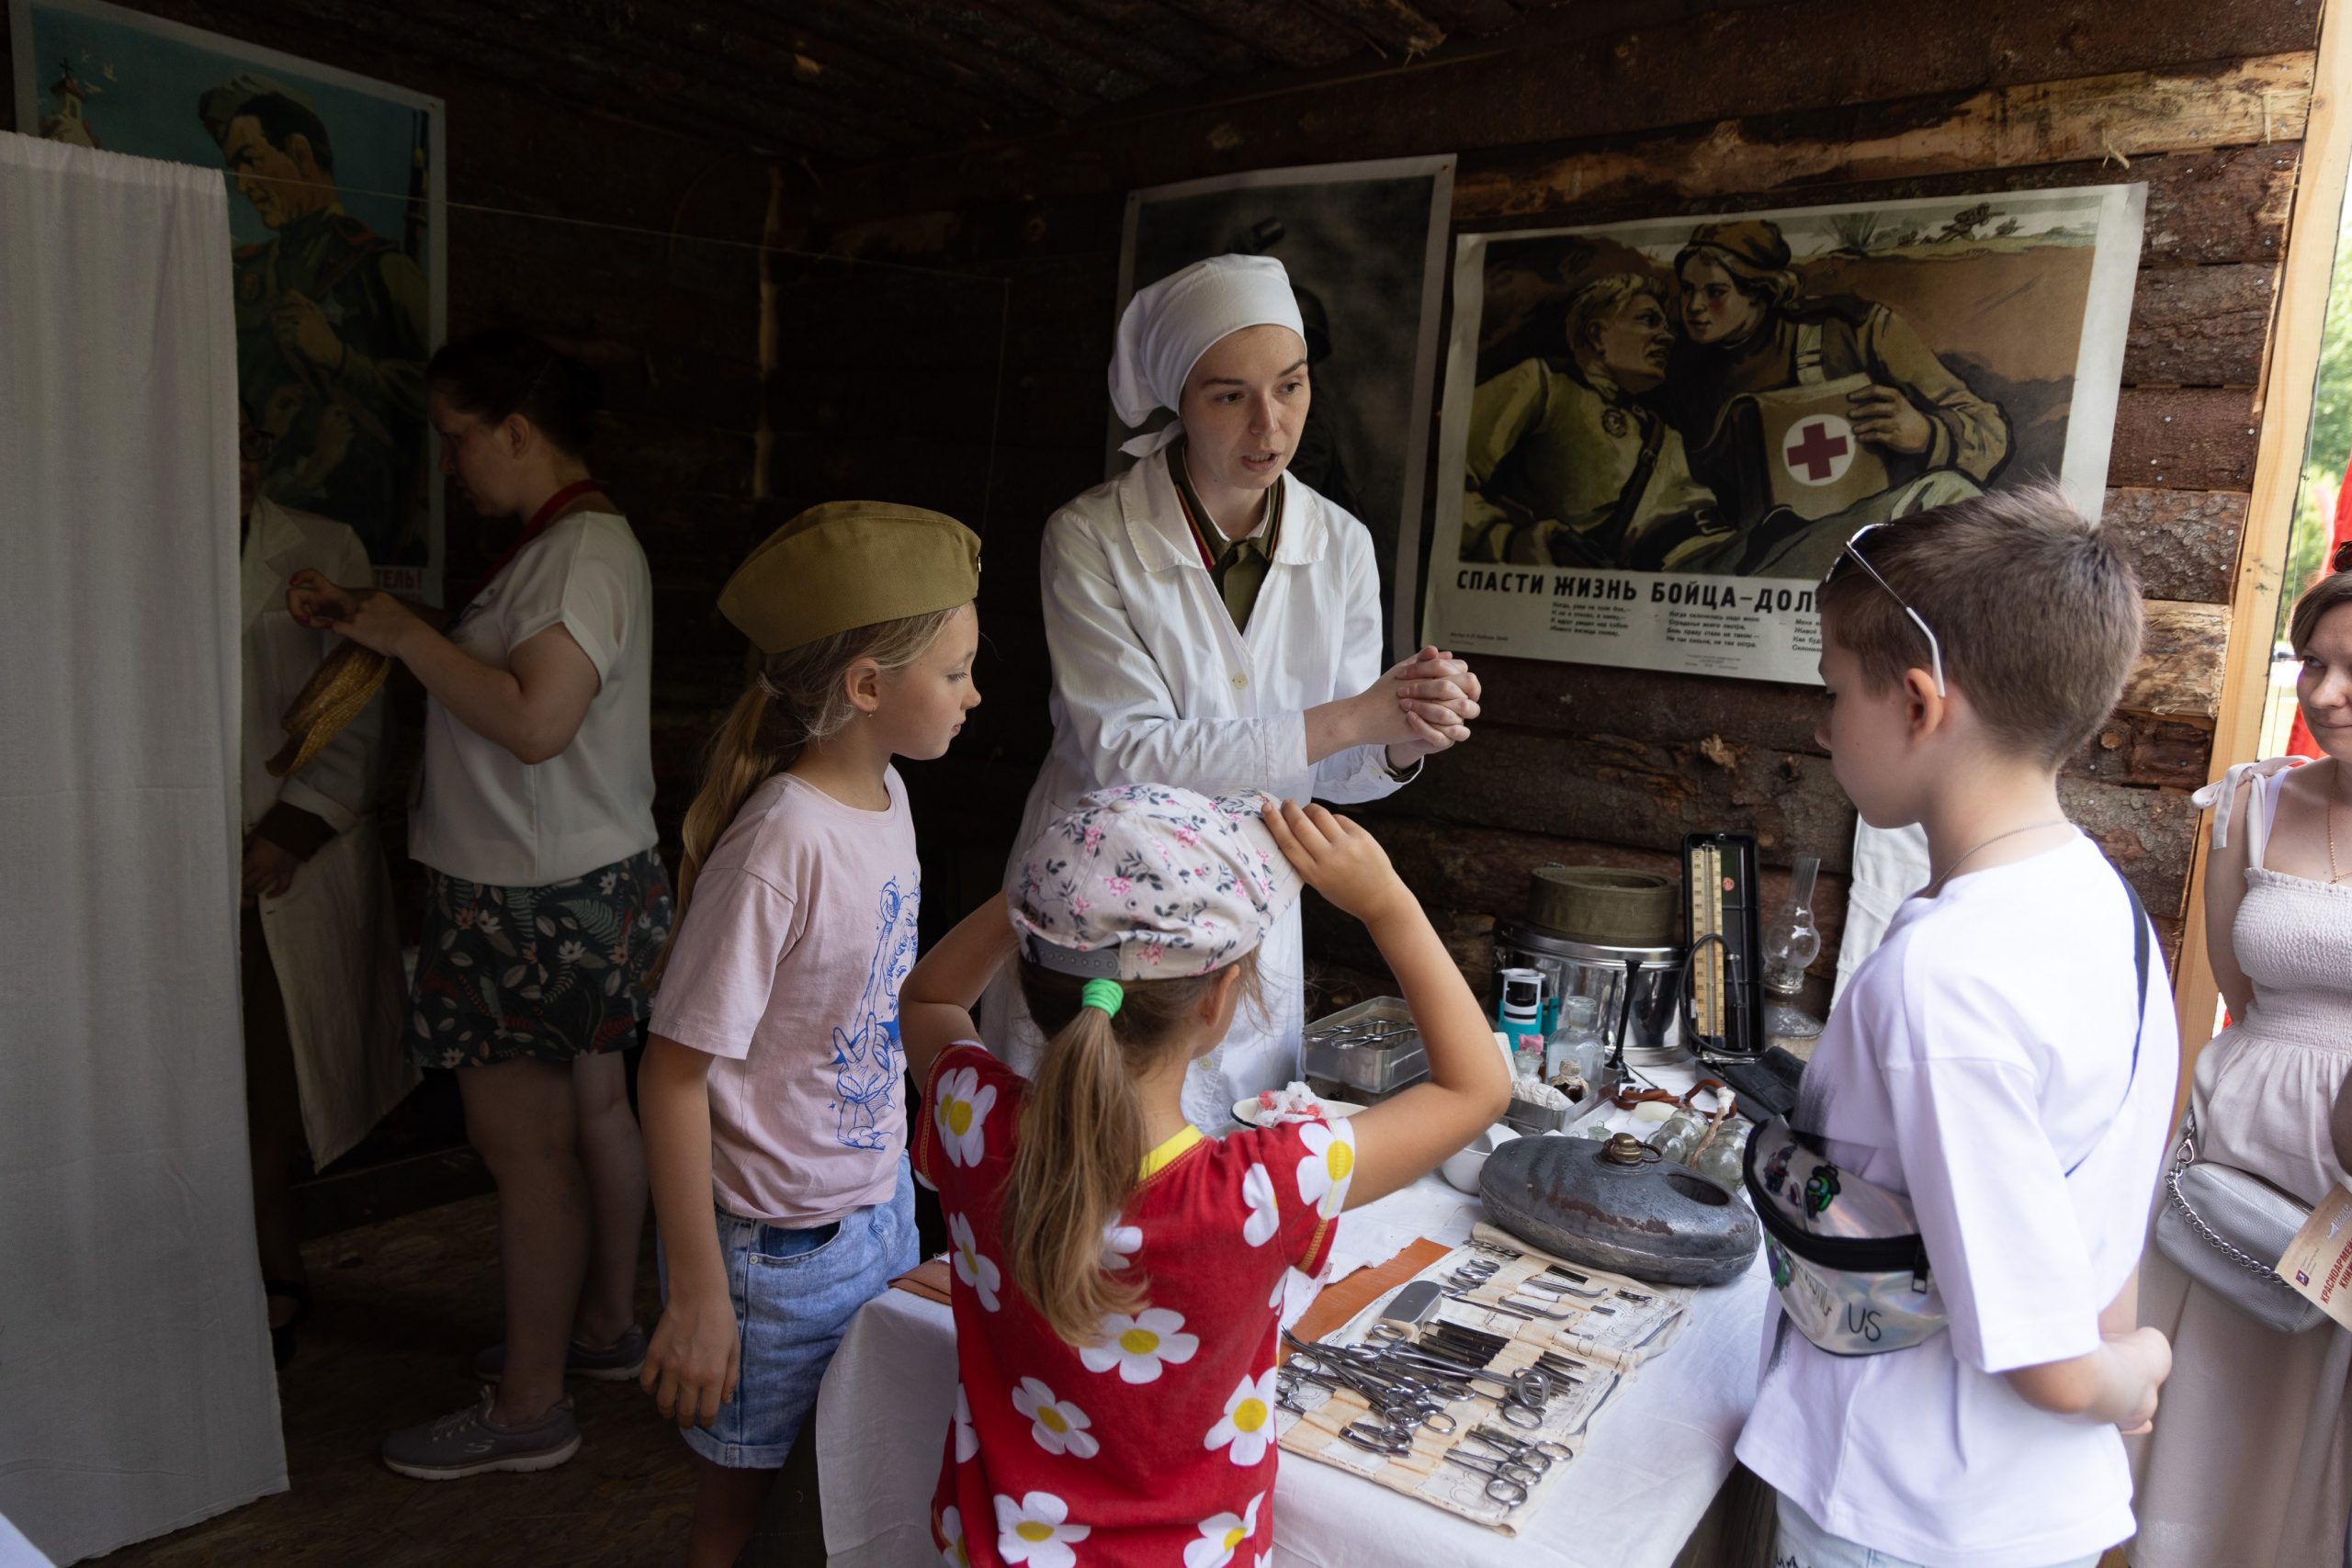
x=2284 y=405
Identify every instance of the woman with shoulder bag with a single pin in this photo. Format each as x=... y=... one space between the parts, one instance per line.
x=2250 y=1465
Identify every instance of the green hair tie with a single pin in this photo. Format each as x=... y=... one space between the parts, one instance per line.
x=1104 y=994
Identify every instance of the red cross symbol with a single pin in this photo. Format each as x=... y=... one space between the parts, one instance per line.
x=1816 y=451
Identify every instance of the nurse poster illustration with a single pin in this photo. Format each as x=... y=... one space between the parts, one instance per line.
x=1657 y=435
x=336 y=217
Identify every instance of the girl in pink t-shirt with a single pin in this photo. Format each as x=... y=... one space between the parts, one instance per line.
x=1118 y=1276
x=771 y=1092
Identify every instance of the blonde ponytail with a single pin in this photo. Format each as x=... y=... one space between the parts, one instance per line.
x=1082 y=1143
x=740 y=760
x=796 y=698
x=1081 y=1146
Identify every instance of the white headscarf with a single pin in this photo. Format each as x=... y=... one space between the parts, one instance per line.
x=1170 y=325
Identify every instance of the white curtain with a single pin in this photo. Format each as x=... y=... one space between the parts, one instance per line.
x=136 y=1393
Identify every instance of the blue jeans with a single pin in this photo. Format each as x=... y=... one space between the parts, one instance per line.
x=794 y=1292
x=1800 y=1543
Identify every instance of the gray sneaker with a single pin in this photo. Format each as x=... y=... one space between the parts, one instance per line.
x=469 y=1443
x=619 y=1361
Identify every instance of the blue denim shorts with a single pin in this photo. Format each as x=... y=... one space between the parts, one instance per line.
x=1800 y=1543
x=794 y=1292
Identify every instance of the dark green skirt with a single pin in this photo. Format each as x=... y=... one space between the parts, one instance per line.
x=548 y=974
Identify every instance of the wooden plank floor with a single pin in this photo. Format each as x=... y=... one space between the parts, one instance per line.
x=402 y=1307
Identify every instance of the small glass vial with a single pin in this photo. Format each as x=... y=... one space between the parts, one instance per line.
x=1721 y=1158
x=1577 y=1042
x=1679 y=1135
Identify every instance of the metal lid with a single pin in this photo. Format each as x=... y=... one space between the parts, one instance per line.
x=1527 y=938
x=1602 y=903
x=1624 y=1148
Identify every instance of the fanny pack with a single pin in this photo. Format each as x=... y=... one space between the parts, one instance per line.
x=1846 y=1256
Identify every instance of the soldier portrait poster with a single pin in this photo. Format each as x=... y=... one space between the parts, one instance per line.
x=1364 y=245
x=1657 y=435
x=336 y=216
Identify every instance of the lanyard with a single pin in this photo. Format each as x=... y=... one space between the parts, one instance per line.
x=540 y=522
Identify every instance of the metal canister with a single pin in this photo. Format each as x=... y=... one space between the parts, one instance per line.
x=1649 y=1027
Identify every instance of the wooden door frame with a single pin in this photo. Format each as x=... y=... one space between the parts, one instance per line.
x=2283 y=403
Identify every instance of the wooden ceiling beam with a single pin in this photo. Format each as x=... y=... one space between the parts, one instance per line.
x=1160 y=25
x=1053 y=79
x=1393 y=27
x=1290 y=34
x=698 y=40
x=577 y=76
x=1135 y=57
x=832 y=70
x=1470 y=18
x=1017 y=93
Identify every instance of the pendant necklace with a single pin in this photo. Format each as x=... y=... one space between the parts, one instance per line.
x=1937 y=884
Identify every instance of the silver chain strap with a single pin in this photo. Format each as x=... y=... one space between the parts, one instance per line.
x=2197 y=1222
x=2183 y=1158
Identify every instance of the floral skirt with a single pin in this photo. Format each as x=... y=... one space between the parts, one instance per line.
x=548 y=974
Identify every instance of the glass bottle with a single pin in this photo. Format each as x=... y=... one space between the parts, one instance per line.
x=1679 y=1134
x=1791 y=944
x=1576 y=1045
x=1721 y=1159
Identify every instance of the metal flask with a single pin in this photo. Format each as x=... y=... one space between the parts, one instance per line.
x=1614 y=1205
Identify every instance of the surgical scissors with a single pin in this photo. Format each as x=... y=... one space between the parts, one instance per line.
x=1525 y=1385
x=1398 y=1398
x=1377 y=1437
x=1538 y=1455
x=1508 y=1482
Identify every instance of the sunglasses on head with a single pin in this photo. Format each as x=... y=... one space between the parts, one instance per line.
x=2342 y=560
x=1935 y=649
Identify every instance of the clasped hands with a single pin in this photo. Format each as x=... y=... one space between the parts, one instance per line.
x=1423 y=706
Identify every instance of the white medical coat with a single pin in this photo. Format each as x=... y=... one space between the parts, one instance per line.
x=1154 y=684
x=332 y=938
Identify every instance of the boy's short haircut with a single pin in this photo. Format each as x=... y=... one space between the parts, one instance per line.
x=2037 y=608
x=2321 y=597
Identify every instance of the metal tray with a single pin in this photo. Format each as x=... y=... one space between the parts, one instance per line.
x=1372 y=1048
x=1529 y=1116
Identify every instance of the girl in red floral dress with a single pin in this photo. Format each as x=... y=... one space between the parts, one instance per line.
x=1119 y=1275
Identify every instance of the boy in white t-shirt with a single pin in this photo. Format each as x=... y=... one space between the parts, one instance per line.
x=1993 y=1060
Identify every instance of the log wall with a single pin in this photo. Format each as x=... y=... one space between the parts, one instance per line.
x=952 y=353
x=1595 y=121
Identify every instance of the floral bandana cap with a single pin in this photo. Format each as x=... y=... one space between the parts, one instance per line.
x=1150 y=882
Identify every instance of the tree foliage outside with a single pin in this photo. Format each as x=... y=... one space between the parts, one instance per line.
x=2330 y=448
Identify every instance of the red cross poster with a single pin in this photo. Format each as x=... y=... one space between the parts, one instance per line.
x=1657 y=435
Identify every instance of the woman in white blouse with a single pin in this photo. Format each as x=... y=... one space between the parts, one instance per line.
x=545 y=901
x=1216 y=625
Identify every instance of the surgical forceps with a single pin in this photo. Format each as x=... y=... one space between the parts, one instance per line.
x=1508 y=1482
x=1539 y=1455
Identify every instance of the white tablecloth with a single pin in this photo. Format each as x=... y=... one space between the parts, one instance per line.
x=1656 y=1458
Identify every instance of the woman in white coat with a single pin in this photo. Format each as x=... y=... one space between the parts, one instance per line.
x=1216 y=625
x=322 y=985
